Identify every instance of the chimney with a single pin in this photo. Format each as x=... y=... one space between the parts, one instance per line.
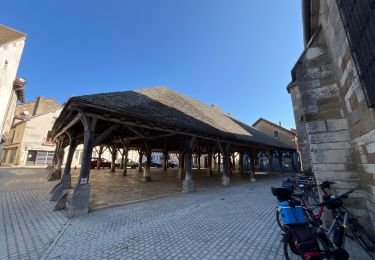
x=279 y=123
x=37 y=104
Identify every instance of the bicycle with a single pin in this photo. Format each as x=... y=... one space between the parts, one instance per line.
x=300 y=239
x=343 y=222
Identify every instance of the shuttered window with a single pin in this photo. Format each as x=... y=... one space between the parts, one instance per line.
x=359 y=21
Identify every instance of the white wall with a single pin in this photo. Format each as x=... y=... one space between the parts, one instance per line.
x=11 y=53
x=36 y=131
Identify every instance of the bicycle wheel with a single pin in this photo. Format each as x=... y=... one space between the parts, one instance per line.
x=291 y=252
x=313 y=195
x=364 y=238
x=282 y=227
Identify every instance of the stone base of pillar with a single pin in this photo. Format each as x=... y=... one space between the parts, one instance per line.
x=188 y=186
x=180 y=174
x=78 y=205
x=252 y=177
x=57 y=191
x=54 y=175
x=146 y=178
x=225 y=180
x=66 y=181
x=61 y=202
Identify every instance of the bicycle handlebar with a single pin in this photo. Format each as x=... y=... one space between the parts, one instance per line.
x=342 y=196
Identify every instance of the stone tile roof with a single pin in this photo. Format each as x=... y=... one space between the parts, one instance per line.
x=167 y=108
x=8 y=35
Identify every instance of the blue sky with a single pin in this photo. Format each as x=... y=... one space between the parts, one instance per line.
x=236 y=54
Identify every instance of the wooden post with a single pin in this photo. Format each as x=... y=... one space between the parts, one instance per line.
x=199 y=160
x=218 y=162
x=214 y=160
x=280 y=157
x=209 y=159
x=122 y=159
x=165 y=160
x=99 y=157
x=188 y=184
x=181 y=166
x=253 y=156
x=114 y=155
x=66 y=179
x=60 y=159
x=146 y=170
x=226 y=164
x=79 y=203
x=140 y=152
x=256 y=157
x=241 y=163
x=125 y=169
x=291 y=154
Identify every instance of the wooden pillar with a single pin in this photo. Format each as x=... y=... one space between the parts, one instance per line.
x=214 y=160
x=280 y=158
x=122 y=159
x=99 y=157
x=226 y=164
x=241 y=163
x=199 y=160
x=253 y=156
x=209 y=159
x=114 y=155
x=256 y=157
x=60 y=159
x=218 y=162
x=188 y=184
x=126 y=155
x=291 y=154
x=234 y=161
x=181 y=166
x=165 y=160
x=79 y=203
x=140 y=152
x=146 y=170
x=66 y=179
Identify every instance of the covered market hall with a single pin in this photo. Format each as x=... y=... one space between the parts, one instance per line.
x=151 y=120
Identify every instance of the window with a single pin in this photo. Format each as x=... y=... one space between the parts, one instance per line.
x=276 y=133
x=359 y=22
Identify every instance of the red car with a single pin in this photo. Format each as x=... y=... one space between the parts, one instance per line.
x=104 y=163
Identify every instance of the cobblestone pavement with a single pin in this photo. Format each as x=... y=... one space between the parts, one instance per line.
x=234 y=222
x=27 y=223
x=237 y=222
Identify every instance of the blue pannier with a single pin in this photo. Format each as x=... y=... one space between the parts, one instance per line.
x=291 y=215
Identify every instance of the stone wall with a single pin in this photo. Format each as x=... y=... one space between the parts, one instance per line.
x=284 y=135
x=339 y=125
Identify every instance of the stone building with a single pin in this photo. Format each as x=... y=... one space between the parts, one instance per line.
x=283 y=134
x=270 y=161
x=11 y=87
x=333 y=96
x=29 y=142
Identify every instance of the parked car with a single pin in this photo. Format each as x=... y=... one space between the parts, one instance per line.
x=132 y=164
x=153 y=164
x=172 y=164
x=104 y=163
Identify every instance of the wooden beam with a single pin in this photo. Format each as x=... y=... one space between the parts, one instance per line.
x=73 y=122
x=105 y=134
